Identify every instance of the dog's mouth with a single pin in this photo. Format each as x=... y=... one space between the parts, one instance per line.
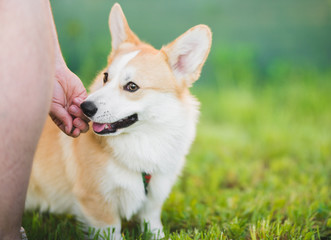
x=106 y=128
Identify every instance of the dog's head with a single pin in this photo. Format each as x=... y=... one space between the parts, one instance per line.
x=142 y=85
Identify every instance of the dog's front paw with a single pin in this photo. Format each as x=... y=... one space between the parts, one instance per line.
x=157 y=234
x=105 y=233
x=153 y=232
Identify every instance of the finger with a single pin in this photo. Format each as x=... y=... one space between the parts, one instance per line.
x=63 y=118
x=78 y=101
x=57 y=122
x=75 y=132
x=78 y=113
x=81 y=125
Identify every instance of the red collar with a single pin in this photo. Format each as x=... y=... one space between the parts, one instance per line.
x=146 y=179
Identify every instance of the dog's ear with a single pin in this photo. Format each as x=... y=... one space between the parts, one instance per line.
x=187 y=54
x=119 y=28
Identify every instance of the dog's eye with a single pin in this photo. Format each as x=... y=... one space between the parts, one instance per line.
x=105 y=77
x=131 y=87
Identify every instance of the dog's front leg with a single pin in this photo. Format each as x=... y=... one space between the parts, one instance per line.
x=150 y=215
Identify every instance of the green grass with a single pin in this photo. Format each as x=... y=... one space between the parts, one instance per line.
x=260 y=168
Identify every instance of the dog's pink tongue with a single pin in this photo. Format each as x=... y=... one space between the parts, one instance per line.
x=98 y=127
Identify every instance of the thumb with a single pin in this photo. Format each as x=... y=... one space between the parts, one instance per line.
x=61 y=118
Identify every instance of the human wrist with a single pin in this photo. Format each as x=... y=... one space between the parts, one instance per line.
x=60 y=64
x=61 y=72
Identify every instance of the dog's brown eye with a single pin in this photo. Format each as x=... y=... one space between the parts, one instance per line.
x=105 y=77
x=131 y=87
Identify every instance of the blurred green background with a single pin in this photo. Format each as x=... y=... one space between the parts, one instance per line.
x=254 y=40
x=260 y=167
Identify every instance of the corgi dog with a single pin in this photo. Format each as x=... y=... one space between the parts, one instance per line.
x=143 y=122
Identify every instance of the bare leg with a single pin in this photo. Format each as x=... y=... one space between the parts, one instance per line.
x=26 y=77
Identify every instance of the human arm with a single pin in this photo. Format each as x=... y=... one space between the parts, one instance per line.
x=68 y=94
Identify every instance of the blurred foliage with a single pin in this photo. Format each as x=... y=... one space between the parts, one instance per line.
x=251 y=39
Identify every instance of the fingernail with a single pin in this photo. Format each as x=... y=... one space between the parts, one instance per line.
x=78 y=123
x=74 y=109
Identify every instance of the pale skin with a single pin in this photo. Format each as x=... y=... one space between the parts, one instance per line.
x=34 y=81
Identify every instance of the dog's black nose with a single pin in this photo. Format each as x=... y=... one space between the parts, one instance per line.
x=89 y=108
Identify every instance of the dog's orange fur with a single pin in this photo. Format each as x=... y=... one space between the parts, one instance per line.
x=72 y=171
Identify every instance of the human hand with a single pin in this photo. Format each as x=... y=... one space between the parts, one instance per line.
x=68 y=94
